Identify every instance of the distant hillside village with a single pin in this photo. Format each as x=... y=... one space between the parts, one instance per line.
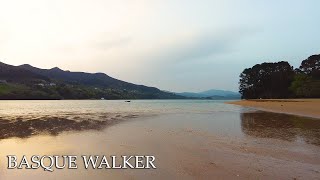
x=3 y=81
x=46 y=84
x=281 y=80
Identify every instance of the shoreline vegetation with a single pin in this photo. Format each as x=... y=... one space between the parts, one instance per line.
x=300 y=107
x=279 y=80
x=278 y=87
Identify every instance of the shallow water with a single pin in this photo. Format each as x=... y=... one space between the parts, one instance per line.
x=191 y=139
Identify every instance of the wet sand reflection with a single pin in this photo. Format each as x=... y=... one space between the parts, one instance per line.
x=281 y=126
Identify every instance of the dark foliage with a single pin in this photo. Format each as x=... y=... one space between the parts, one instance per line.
x=279 y=80
x=266 y=80
x=311 y=66
x=306 y=83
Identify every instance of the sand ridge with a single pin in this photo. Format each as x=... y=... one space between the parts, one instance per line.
x=301 y=107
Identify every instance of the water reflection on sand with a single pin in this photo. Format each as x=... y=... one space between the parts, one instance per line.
x=281 y=126
x=190 y=139
x=258 y=124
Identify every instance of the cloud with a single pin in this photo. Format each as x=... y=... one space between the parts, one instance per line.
x=107 y=41
x=195 y=47
x=100 y=42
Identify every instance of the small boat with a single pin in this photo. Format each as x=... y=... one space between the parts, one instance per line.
x=127 y=101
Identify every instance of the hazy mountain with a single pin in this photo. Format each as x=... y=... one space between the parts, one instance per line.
x=212 y=94
x=15 y=74
x=89 y=79
x=215 y=92
x=28 y=82
x=191 y=94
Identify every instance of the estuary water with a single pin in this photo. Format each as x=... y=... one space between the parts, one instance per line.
x=191 y=139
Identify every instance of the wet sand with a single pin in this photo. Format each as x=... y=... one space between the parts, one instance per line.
x=183 y=149
x=301 y=107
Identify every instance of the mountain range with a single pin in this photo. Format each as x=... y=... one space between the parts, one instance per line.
x=212 y=94
x=28 y=82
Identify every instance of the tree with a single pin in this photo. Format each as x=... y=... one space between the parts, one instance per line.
x=266 y=80
x=298 y=86
x=307 y=79
x=311 y=66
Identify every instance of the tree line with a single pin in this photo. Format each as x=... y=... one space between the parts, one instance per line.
x=29 y=91
x=280 y=80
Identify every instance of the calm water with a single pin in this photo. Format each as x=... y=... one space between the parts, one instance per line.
x=191 y=139
x=23 y=119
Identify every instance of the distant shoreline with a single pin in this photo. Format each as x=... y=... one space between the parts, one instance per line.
x=300 y=107
x=186 y=98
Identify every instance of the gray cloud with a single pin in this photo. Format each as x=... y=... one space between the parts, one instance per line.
x=197 y=47
x=174 y=64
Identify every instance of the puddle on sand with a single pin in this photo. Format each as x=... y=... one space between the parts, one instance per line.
x=281 y=126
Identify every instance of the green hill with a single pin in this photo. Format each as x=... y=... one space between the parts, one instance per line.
x=28 y=82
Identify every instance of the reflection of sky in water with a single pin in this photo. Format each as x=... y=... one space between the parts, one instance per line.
x=281 y=126
x=29 y=118
x=115 y=106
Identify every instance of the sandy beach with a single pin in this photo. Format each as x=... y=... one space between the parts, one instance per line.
x=182 y=151
x=192 y=139
x=301 y=107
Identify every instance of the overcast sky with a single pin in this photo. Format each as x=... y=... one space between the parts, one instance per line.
x=176 y=45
